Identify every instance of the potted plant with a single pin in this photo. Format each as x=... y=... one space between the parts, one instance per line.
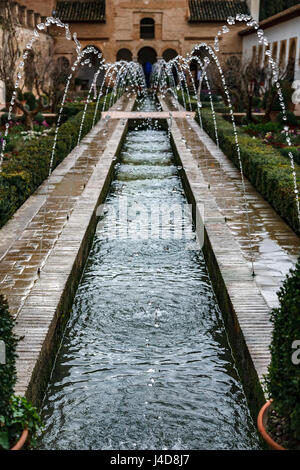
x=19 y=420
x=279 y=418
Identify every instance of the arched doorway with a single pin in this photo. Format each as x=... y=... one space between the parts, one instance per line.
x=87 y=71
x=124 y=54
x=169 y=54
x=147 y=57
x=147 y=54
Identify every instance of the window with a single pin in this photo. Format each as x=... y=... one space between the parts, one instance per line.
x=147 y=27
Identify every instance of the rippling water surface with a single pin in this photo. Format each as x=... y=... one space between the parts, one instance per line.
x=145 y=362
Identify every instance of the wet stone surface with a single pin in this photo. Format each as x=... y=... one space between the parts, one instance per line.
x=145 y=362
x=36 y=235
x=273 y=246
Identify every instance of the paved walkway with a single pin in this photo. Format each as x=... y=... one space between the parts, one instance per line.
x=62 y=221
x=24 y=243
x=273 y=245
x=148 y=115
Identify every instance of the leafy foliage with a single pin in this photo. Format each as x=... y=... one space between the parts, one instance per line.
x=25 y=171
x=16 y=413
x=264 y=166
x=8 y=370
x=20 y=414
x=283 y=381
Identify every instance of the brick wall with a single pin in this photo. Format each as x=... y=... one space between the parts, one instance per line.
x=45 y=8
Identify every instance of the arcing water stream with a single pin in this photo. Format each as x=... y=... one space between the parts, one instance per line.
x=145 y=362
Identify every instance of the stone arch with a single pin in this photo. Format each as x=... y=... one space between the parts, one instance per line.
x=169 y=54
x=124 y=54
x=147 y=54
x=147 y=57
x=87 y=71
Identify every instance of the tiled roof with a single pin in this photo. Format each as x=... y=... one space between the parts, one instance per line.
x=216 y=10
x=81 y=10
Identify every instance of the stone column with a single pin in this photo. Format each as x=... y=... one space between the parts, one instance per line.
x=15 y=11
x=2 y=94
x=37 y=19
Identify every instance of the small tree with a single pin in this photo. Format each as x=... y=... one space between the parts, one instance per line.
x=46 y=78
x=243 y=81
x=9 y=47
x=283 y=380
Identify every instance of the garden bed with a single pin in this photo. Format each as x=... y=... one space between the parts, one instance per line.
x=268 y=170
x=27 y=165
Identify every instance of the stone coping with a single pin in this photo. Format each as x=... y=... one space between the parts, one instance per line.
x=243 y=299
x=66 y=222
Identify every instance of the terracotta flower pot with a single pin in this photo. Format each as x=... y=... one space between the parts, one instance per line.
x=262 y=424
x=21 y=441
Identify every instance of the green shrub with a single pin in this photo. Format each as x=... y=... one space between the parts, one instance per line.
x=4 y=118
x=295 y=151
x=283 y=380
x=30 y=100
x=287 y=92
x=269 y=172
x=291 y=118
x=23 y=172
x=262 y=128
x=16 y=413
x=39 y=118
x=7 y=370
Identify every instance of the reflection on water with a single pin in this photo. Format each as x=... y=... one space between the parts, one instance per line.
x=145 y=362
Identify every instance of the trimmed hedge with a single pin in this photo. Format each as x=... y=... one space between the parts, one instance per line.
x=283 y=380
x=295 y=151
x=24 y=172
x=266 y=168
x=7 y=370
x=70 y=109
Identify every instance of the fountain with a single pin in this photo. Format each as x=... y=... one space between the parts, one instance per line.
x=146 y=341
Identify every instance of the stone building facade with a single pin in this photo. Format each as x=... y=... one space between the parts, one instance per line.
x=139 y=30
x=283 y=33
x=25 y=19
x=146 y=30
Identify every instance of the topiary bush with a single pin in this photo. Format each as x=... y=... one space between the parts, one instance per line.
x=294 y=150
x=283 y=380
x=291 y=118
x=30 y=100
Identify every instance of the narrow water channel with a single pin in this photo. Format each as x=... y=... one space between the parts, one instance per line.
x=145 y=362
